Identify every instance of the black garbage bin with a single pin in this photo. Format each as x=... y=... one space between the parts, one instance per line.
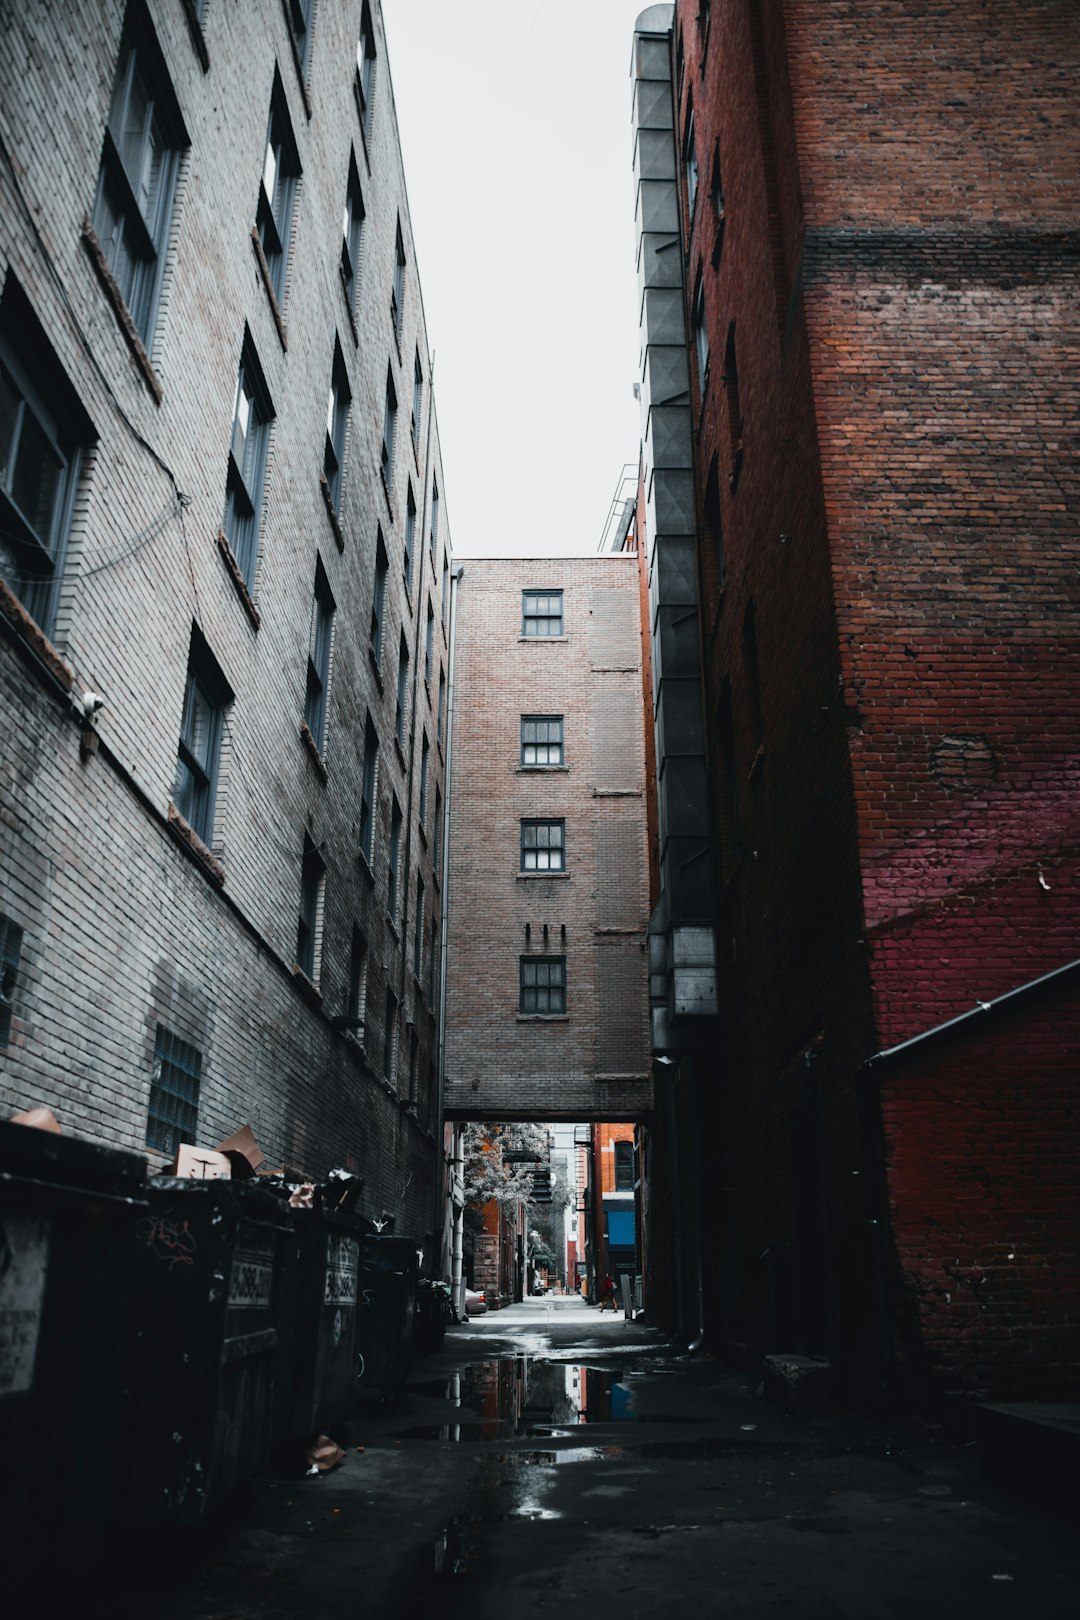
x=210 y=1274
x=68 y=1216
x=386 y=1313
x=316 y=1379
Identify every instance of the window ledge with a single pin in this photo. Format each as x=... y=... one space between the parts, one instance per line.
x=400 y=752
x=756 y=762
x=348 y=305
x=543 y=1018
x=606 y=1077
x=736 y=465
x=296 y=59
x=28 y=630
x=532 y=877
x=264 y=271
x=616 y=793
x=375 y=670
x=532 y=770
x=188 y=839
x=365 y=866
x=313 y=749
x=386 y=493
x=393 y=927
x=331 y=511
x=310 y=992
x=198 y=39
x=239 y=582
x=116 y=298
x=422 y=830
x=543 y=641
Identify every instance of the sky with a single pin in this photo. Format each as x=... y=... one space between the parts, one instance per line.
x=515 y=133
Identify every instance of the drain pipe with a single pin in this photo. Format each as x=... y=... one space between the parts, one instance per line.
x=457 y=1287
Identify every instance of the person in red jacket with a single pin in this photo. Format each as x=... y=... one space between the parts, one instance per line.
x=607 y=1293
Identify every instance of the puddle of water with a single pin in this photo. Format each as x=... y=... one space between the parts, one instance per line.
x=524 y=1395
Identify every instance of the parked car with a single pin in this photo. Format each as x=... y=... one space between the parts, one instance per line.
x=475 y=1303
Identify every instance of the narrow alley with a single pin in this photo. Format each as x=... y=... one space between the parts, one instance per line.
x=495 y=1487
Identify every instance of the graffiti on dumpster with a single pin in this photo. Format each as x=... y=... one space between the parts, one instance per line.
x=251 y=1283
x=171 y=1241
x=24 y=1265
x=342 y=1263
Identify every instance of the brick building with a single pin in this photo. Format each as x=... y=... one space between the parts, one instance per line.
x=546 y=982
x=858 y=256
x=219 y=487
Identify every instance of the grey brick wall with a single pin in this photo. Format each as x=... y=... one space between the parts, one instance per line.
x=105 y=895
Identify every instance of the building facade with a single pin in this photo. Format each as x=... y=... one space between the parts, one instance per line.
x=225 y=591
x=858 y=257
x=546 y=984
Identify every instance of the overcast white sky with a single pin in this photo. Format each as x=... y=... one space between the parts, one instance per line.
x=515 y=131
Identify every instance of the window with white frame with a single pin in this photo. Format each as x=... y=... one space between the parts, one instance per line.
x=368 y=782
x=309 y=925
x=410 y=538
x=389 y=428
x=173 y=1114
x=206 y=698
x=429 y=646
x=397 y=291
x=356 y=1008
x=541 y=613
x=700 y=330
x=433 y=533
x=390 y=1038
x=352 y=234
x=365 y=71
x=319 y=651
x=441 y=705
x=541 y=740
x=378 y=599
x=252 y=415
x=40 y=453
x=436 y=834
x=277 y=191
x=401 y=709
x=425 y=759
x=418 y=932
x=417 y=400
x=337 y=425
x=543 y=846
x=393 y=869
x=299 y=15
x=542 y=984
x=690 y=163
x=137 y=180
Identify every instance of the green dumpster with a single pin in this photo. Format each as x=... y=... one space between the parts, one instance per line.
x=386 y=1313
x=317 y=1357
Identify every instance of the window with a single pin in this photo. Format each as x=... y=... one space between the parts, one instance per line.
x=309 y=928
x=433 y=961
x=11 y=938
x=389 y=429
x=417 y=401
x=401 y=711
x=701 y=331
x=410 y=538
x=418 y=932
x=425 y=756
x=436 y=834
x=352 y=233
x=299 y=15
x=318 y=665
x=395 y=861
x=735 y=418
x=624 y=1166
x=252 y=415
x=365 y=71
x=174 y=1093
x=445 y=587
x=397 y=292
x=717 y=186
x=434 y=531
x=714 y=523
x=441 y=704
x=368 y=779
x=541 y=613
x=429 y=646
x=378 y=599
x=39 y=460
x=356 y=1009
x=337 y=423
x=137 y=180
x=542 y=987
x=206 y=697
x=541 y=739
x=390 y=1034
x=543 y=846
x=690 y=164
x=414 y=1068
x=277 y=189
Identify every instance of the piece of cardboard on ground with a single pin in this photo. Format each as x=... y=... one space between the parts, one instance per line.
x=39 y=1119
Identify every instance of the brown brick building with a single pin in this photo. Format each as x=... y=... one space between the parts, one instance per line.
x=548 y=902
x=220 y=512
x=858 y=251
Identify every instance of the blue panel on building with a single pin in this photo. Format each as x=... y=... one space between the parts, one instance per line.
x=620 y=1228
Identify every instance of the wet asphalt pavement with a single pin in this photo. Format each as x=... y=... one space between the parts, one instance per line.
x=554 y=1461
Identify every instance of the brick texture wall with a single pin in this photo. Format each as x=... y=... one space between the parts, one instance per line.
x=894 y=729
x=90 y=871
x=594 y=1061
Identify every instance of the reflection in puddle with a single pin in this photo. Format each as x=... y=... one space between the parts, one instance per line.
x=525 y=1396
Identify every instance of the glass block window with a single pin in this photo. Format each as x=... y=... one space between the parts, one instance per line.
x=543 y=846
x=541 y=739
x=541 y=613
x=174 y=1093
x=542 y=984
x=11 y=937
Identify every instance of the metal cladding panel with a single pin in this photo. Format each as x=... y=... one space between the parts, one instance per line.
x=665 y=379
x=663 y=318
x=693 y=992
x=679 y=729
x=658 y=206
x=652 y=57
x=669 y=504
x=684 y=788
x=674 y=577
x=675 y=633
x=652 y=104
x=687 y=872
x=658 y=260
x=654 y=155
x=667 y=439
